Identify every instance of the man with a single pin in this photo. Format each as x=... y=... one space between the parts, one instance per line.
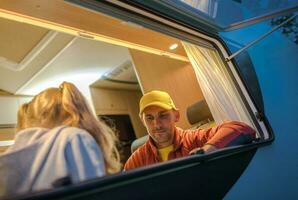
x=166 y=141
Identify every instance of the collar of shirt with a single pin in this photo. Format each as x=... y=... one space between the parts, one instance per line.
x=177 y=142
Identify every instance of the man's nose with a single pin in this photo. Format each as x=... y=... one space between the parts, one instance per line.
x=156 y=123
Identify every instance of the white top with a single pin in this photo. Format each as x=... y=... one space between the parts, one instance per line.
x=40 y=156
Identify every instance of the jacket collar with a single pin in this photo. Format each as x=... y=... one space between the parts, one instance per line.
x=177 y=141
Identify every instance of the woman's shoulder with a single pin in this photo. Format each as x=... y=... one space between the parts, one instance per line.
x=71 y=132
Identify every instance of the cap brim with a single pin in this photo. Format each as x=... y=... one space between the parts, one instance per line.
x=159 y=104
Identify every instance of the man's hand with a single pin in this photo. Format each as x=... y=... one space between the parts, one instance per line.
x=207 y=148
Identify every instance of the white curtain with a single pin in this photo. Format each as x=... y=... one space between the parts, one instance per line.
x=218 y=89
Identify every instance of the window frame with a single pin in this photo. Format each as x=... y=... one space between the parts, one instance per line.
x=190 y=15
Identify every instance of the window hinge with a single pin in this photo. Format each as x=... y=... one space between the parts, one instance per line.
x=259 y=116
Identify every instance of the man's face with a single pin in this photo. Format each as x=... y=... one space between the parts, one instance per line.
x=160 y=124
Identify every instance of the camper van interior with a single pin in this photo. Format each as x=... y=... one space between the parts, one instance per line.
x=35 y=58
x=113 y=62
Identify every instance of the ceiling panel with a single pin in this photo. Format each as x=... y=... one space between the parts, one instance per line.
x=18 y=39
x=83 y=62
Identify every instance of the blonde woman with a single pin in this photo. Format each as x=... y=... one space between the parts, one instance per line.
x=59 y=141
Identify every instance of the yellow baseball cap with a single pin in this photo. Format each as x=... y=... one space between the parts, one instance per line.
x=157 y=98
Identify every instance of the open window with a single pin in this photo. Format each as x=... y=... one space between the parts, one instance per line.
x=114 y=54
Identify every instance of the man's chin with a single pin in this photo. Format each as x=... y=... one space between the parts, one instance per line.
x=162 y=139
x=161 y=136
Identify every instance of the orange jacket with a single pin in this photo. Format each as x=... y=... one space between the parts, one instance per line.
x=227 y=134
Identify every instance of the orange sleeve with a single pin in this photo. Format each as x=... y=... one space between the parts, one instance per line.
x=227 y=134
x=134 y=161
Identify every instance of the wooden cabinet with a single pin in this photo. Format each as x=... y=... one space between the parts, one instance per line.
x=173 y=76
x=107 y=100
x=117 y=102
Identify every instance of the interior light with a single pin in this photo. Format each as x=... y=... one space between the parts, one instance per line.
x=173 y=46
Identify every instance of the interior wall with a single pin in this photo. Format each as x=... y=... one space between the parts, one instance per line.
x=6 y=134
x=111 y=101
x=174 y=76
x=9 y=105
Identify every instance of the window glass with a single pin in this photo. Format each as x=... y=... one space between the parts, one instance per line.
x=238 y=10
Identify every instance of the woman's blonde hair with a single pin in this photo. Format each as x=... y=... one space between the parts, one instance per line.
x=67 y=106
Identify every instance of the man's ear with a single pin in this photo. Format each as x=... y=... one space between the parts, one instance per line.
x=177 y=115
